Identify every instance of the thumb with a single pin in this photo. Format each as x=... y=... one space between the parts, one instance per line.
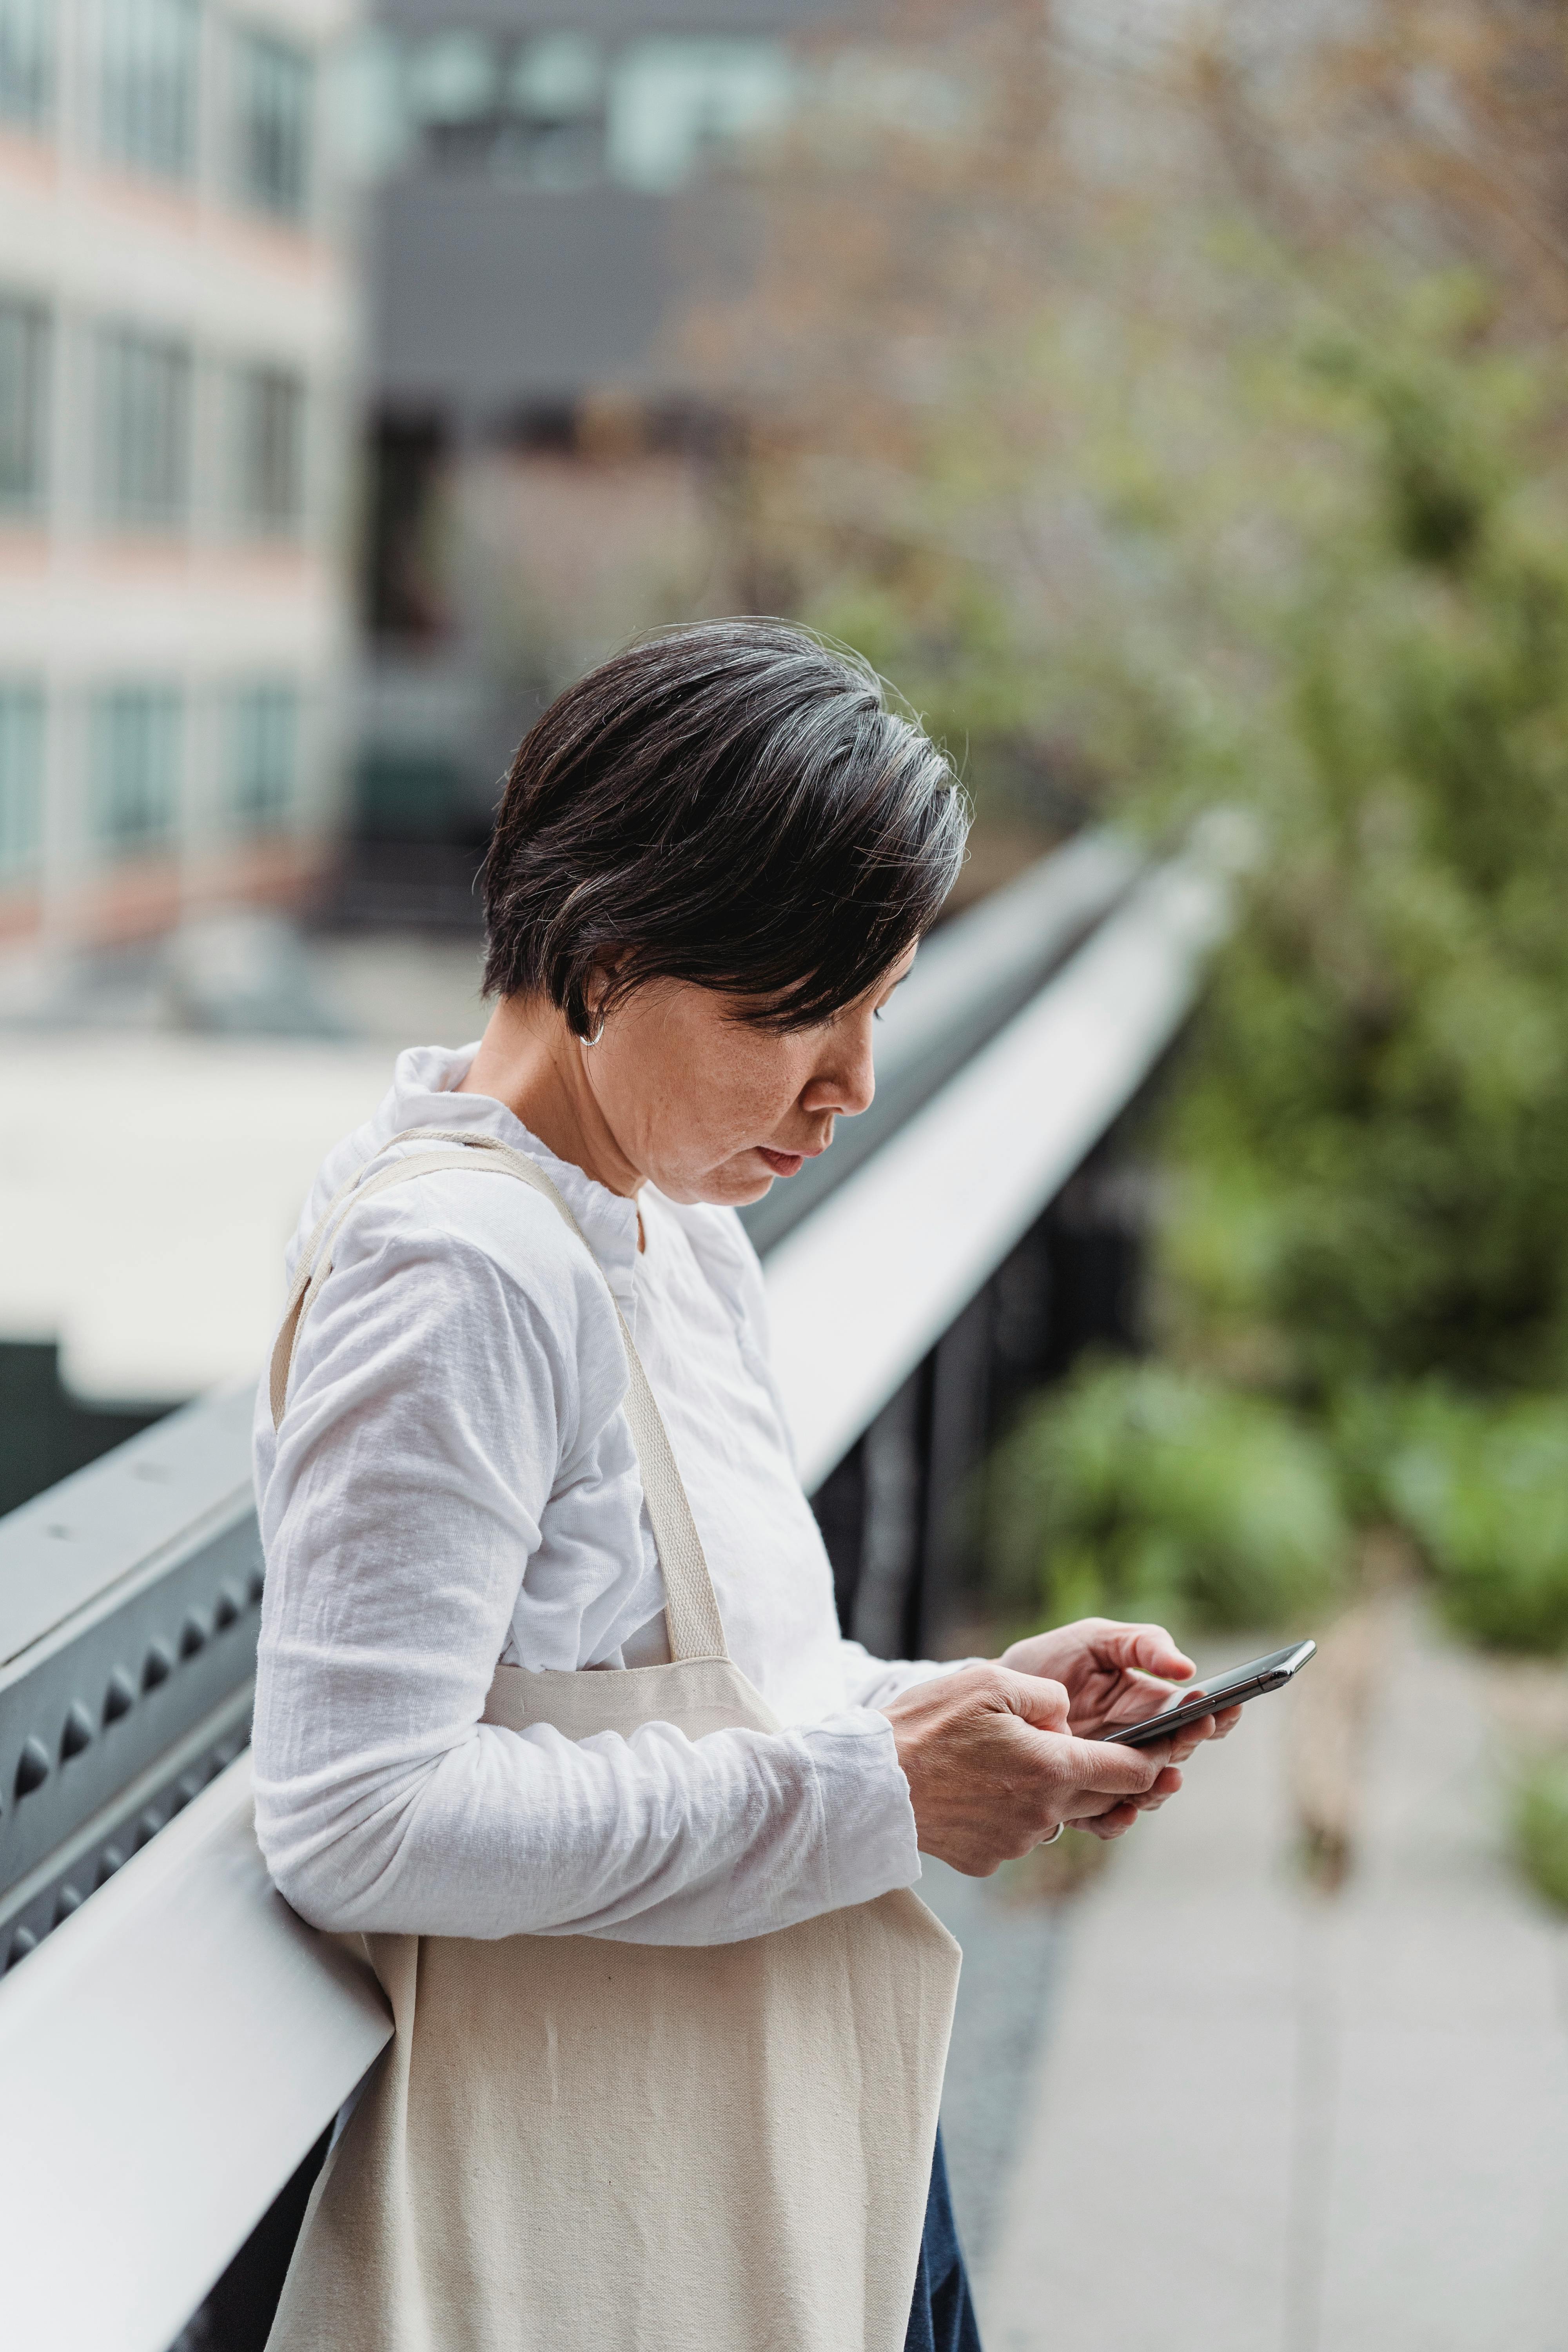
x=1040 y=1701
x=1152 y=1648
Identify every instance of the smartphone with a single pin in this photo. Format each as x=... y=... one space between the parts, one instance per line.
x=1268 y=1674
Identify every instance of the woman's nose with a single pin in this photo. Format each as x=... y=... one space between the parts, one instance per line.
x=847 y=1082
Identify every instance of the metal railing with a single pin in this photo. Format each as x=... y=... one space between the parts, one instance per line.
x=174 y=2041
x=861 y=1289
x=967 y=982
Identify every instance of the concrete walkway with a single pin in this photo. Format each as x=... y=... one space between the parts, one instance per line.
x=1264 y=2120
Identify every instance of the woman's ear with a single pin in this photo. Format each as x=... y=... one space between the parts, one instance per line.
x=597 y=989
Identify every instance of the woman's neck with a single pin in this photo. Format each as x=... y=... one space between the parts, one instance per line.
x=530 y=1060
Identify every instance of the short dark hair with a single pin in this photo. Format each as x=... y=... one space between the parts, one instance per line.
x=732 y=803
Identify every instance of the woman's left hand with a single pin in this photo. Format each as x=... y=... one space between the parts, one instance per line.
x=1109 y=1672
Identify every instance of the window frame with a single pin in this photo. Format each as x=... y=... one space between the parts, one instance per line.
x=254 y=51
x=123 y=348
x=155 y=827
x=140 y=127
x=251 y=382
x=37 y=339
x=22 y=831
x=272 y=809
x=37 y=113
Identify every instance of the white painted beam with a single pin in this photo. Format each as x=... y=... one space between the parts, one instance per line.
x=167 y=2059
x=859 y=1291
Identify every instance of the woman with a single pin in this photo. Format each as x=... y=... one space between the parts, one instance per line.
x=552 y=1709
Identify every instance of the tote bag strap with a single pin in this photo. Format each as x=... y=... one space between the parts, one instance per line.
x=692 y=1622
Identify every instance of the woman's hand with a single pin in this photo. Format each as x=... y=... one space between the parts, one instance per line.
x=1109 y=1671
x=994 y=1769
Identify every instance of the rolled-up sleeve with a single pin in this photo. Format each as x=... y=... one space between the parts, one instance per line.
x=872 y=1682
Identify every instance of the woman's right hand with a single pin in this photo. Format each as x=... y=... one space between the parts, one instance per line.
x=992 y=1769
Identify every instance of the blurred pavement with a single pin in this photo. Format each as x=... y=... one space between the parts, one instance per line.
x=165 y=1116
x=1265 y=2120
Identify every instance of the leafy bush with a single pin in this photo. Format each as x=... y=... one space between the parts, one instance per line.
x=1373 y=1142
x=1541 y=1827
x=1370 y=1195
x=1483 y=1489
x=1137 y=1491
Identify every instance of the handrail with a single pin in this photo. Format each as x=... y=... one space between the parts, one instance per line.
x=129 y=1595
x=970 y=978
x=860 y=1292
x=184 y=1994
x=166 y=2060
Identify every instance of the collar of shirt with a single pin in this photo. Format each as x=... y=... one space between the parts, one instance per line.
x=423 y=1095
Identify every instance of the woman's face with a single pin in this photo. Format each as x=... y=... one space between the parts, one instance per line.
x=709 y=1108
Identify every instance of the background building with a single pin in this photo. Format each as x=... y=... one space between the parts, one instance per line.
x=176 y=340
x=552 y=183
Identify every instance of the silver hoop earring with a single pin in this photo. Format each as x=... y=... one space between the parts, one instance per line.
x=597 y=1034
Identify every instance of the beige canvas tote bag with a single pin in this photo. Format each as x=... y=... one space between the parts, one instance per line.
x=576 y=2145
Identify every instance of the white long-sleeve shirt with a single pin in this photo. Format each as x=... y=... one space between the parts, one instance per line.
x=453 y=1483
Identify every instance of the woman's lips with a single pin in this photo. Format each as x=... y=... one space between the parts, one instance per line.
x=789 y=1164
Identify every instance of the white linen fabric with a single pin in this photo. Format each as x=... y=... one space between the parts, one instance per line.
x=453 y=1484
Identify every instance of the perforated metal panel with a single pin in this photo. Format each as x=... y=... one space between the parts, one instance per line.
x=130 y=1596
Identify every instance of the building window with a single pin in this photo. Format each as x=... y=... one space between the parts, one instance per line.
x=269 y=450
x=21 y=780
x=26 y=61
x=24 y=406
x=555 y=133
x=558 y=109
x=147 y=56
x=266 y=754
x=273 y=100
x=135 y=761
x=675 y=103
x=144 y=430
x=451 y=81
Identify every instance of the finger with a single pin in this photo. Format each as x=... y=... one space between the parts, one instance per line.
x=1114 y=1769
x=1209 y=1726
x=1191 y=1735
x=1150 y=1691
x=1151 y=1647
x=1112 y=1824
x=1036 y=1698
x=1167 y=1786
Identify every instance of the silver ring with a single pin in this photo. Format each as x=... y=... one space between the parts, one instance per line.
x=1055 y=1835
x=597 y=1034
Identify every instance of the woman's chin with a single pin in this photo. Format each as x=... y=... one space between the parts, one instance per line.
x=733 y=1185
x=745 y=1179
x=739 y=1191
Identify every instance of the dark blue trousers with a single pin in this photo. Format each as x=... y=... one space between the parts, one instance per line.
x=941 y=2317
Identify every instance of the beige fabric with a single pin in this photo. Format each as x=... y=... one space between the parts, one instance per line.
x=578 y=2145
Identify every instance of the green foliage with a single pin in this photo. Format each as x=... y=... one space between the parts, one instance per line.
x=1367 y=1212
x=1540 y=1826
x=1483 y=1490
x=1372 y=1205
x=1382 y=1086
x=1139 y=1492
x=1205 y=528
